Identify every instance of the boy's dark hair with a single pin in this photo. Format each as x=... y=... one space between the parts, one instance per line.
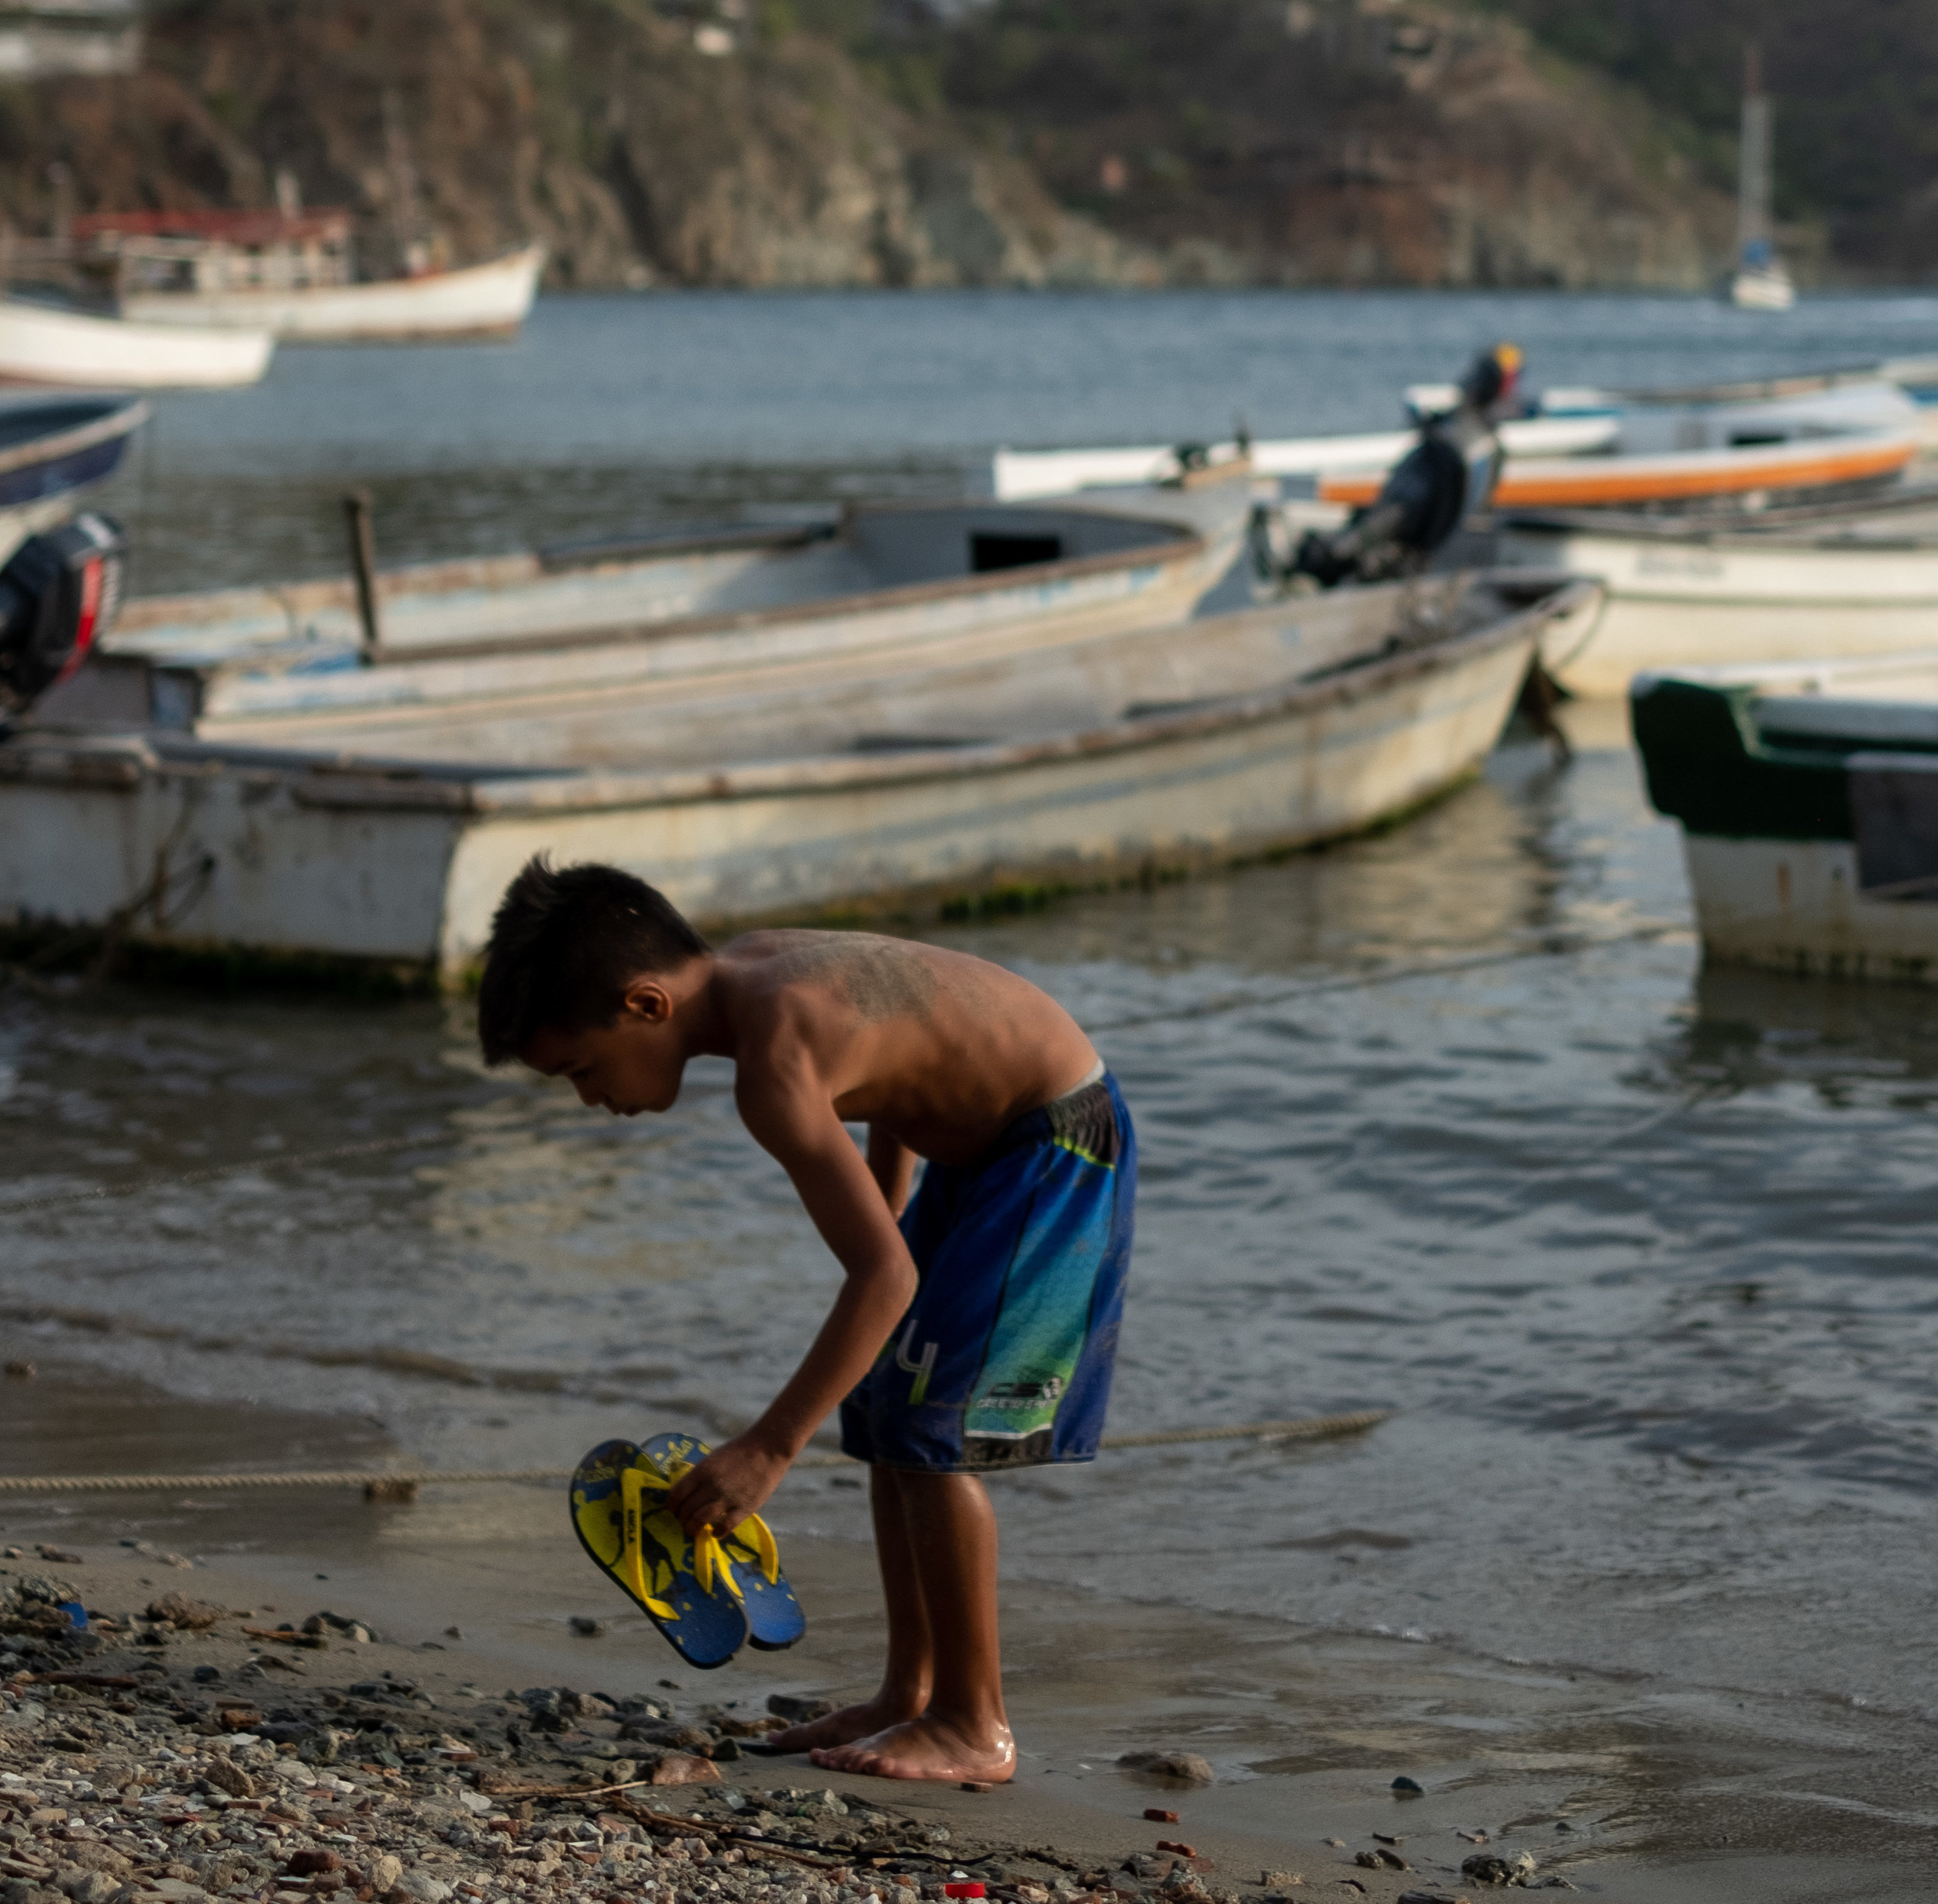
x=566 y=941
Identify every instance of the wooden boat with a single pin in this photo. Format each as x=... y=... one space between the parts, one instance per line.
x=560 y=657
x=1808 y=465
x=1851 y=579
x=479 y=300
x=1807 y=795
x=1084 y=762
x=42 y=344
x=52 y=452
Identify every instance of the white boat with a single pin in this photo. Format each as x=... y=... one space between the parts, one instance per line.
x=526 y=657
x=1808 y=796
x=1080 y=763
x=1018 y=475
x=479 y=300
x=42 y=344
x=1859 y=578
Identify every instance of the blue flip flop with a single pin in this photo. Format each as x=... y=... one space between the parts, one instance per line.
x=620 y=1515
x=747 y=1559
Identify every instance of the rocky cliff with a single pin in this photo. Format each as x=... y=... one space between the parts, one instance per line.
x=1151 y=141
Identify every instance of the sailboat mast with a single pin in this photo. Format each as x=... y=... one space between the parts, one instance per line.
x=1754 y=160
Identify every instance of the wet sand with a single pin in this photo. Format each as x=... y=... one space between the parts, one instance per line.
x=1629 y=1788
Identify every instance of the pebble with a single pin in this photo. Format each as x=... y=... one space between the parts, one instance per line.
x=1187 y=1767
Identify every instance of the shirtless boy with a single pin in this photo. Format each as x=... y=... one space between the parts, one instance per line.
x=977 y=1321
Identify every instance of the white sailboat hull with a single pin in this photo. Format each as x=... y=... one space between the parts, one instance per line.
x=480 y=301
x=1769 y=289
x=70 y=349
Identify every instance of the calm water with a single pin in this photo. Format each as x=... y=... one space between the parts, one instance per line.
x=1643 y=1257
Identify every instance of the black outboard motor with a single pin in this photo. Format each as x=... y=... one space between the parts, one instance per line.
x=1447 y=478
x=59 y=595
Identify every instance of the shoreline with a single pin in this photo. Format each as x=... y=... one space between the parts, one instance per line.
x=1634 y=1791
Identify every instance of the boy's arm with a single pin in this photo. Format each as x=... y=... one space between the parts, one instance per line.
x=892 y=1165
x=793 y=1117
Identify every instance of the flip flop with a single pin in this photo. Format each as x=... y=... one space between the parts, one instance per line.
x=747 y=1559
x=620 y=1514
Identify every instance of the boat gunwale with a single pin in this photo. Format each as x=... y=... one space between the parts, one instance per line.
x=121 y=762
x=120 y=419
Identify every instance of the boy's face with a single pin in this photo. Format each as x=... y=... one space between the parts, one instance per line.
x=634 y=1064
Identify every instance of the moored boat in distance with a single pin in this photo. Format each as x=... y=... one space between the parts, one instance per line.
x=46 y=345
x=563 y=657
x=1073 y=762
x=1846 y=580
x=1760 y=280
x=477 y=301
x=1808 y=796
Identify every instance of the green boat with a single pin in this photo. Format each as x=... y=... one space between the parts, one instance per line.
x=1808 y=796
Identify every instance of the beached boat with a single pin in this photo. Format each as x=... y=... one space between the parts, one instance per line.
x=1090 y=761
x=42 y=344
x=52 y=452
x=1807 y=795
x=477 y=301
x=559 y=657
x=1848 y=580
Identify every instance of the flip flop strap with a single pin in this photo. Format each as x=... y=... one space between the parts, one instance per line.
x=707 y=1552
x=631 y=1548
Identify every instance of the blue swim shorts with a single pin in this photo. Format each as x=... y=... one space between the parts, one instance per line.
x=1004 y=1357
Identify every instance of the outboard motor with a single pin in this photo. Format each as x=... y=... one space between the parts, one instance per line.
x=1442 y=482
x=59 y=595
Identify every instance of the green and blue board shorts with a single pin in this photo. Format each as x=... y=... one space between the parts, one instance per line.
x=1004 y=1358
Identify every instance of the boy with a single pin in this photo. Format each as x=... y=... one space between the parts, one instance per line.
x=977 y=1333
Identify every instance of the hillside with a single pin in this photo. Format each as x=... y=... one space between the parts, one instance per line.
x=766 y=143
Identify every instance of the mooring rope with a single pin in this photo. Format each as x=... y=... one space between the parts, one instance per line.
x=1209 y=1008
x=1308 y=1428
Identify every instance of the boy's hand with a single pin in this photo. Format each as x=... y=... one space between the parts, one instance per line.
x=732 y=1482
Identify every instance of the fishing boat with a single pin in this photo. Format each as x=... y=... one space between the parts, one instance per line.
x=1686 y=479
x=1851 y=579
x=1076 y=763
x=1808 y=796
x=474 y=301
x=560 y=656
x=53 y=451
x=44 y=344
x=1019 y=475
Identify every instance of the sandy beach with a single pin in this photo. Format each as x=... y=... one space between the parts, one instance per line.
x=1625 y=1791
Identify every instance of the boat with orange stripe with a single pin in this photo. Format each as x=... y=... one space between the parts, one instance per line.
x=1808 y=466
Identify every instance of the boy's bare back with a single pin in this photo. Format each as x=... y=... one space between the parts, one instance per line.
x=938 y=1050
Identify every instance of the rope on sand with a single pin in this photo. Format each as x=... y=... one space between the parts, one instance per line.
x=402 y=1484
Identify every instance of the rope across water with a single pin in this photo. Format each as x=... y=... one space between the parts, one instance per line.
x=1310 y=1428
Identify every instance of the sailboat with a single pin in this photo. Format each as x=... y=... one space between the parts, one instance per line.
x=1760 y=282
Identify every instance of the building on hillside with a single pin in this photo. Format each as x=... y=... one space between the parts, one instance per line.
x=204 y=251
x=45 y=38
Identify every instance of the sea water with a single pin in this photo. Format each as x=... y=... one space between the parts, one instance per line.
x=1640 y=1256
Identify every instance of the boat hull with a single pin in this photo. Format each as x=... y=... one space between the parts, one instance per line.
x=480 y=302
x=69 y=349
x=1719 y=602
x=290 y=855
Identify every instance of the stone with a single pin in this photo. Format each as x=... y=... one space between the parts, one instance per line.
x=313 y=1863
x=383 y=1872
x=179 y=1610
x=321 y=1746
x=1484 y=1868
x=677 y=1768
x=85 y=1887
x=1408 y=1788
x=1430 y=1897
x=1380 y=1858
x=1187 y=1768
x=419 y=1887
x=586 y=1626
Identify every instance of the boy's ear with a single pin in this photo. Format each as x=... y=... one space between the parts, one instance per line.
x=647 y=997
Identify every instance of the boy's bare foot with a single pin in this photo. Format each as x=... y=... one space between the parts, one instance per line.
x=841 y=1728
x=924 y=1748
